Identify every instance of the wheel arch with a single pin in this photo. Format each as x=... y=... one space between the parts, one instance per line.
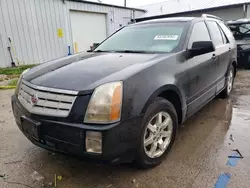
x=173 y=95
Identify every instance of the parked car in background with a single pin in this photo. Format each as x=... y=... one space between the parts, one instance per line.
x=241 y=32
x=124 y=101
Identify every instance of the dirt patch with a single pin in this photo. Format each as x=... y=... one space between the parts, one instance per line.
x=8 y=80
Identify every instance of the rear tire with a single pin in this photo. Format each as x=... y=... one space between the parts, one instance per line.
x=158 y=133
x=229 y=83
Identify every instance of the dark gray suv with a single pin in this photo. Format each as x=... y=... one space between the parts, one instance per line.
x=124 y=101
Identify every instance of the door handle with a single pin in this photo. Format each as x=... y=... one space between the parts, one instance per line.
x=214 y=57
x=230 y=49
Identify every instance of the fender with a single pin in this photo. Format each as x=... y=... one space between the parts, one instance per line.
x=169 y=87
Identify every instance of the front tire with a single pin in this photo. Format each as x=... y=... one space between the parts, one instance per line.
x=158 y=133
x=230 y=81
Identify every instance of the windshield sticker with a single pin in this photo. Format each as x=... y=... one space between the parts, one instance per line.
x=166 y=37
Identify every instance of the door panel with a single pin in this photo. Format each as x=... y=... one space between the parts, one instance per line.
x=200 y=87
x=222 y=65
x=201 y=72
x=222 y=51
x=225 y=58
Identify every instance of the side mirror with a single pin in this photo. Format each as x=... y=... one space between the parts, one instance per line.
x=201 y=47
x=94 y=46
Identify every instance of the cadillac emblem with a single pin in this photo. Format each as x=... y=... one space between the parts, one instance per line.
x=34 y=99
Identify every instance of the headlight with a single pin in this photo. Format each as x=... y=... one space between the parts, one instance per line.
x=105 y=104
x=19 y=81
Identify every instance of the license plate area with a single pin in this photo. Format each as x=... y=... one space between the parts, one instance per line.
x=31 y=128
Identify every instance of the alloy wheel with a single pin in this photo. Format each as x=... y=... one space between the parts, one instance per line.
x=158 y=135
x=230 y=81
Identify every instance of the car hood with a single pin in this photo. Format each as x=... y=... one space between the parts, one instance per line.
x=243 y=45
x=87 y=71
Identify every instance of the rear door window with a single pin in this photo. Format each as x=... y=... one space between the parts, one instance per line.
x=225 y=40
x=216 y=33
x=226 y=30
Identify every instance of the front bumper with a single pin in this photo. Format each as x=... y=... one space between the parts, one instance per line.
x=119 y=141
x=243 y=56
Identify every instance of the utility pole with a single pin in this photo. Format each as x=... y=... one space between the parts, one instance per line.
x=125 y=3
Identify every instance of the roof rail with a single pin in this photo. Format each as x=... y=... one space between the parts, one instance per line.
x=211 y=16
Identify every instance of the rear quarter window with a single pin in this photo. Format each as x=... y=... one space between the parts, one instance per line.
x=226 y=30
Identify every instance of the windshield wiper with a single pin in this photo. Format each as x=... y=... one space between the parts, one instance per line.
x=134 y=51
x=102 y=51
x=124 y=51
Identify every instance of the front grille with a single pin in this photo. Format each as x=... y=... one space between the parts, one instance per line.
x=50 y=101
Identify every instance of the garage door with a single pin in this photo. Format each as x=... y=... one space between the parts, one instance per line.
x=87 y=28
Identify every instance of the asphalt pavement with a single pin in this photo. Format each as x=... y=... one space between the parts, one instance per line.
x=206 y=153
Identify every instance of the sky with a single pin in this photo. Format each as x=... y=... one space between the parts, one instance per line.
x=130 y=3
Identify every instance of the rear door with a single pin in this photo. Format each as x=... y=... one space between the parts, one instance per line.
x=222 y=53
x=201 y=74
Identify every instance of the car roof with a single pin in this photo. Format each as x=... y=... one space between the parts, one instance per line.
x=240 y=21
x=164 y=20
x=177 y=19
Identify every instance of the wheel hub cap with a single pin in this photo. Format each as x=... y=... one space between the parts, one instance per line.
x=158 y=134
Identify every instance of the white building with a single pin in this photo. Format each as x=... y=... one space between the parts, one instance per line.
x=42 y=30
x=226 y=9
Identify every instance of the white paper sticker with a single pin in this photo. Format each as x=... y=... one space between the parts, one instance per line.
x=166 y=37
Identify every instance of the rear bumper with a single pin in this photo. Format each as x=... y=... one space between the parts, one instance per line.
x=119 y=141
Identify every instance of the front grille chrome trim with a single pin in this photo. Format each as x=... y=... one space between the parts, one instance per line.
x=51 y=102
x=53 y=90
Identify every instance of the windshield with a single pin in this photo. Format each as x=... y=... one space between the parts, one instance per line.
x=160 y=37
x=240 y=30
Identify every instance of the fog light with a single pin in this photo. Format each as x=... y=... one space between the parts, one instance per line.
x=94 y=142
